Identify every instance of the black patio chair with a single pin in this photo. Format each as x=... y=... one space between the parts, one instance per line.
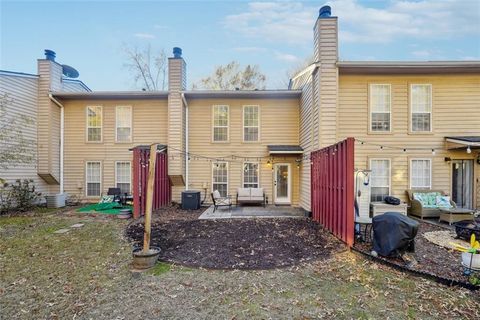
x=116 y=193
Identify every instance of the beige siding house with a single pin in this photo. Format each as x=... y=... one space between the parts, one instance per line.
x=416 y=125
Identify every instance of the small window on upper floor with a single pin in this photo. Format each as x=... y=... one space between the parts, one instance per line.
x=380 y=107
x=421 y=107
x=94 y=123
x=123 y=123
x=251 y=122
x=220 y=123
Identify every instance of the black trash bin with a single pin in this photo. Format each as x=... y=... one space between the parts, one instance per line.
x=190 y=200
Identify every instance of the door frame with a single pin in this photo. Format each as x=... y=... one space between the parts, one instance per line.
x=287 y=200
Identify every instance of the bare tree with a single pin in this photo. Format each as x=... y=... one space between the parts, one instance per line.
x=149 y=69
x=15 y=148
x=231 y=76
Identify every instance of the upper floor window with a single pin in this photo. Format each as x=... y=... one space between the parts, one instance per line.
x=94 y=123
x=380 y=107
x=93 y=177
x=123 y=123
x=380 y=179
x=250 y=175
x=220 y=177
x=123 y=176
x=220 y=123
x=420 y=174
x=250 y=123
x=421 y=107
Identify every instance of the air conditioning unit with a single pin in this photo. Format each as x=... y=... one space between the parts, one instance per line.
x=362 y=187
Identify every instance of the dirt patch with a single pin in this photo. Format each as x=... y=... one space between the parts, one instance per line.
x=431 y=258
x=239 y=244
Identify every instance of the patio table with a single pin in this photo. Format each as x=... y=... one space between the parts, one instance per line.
x=452 y=215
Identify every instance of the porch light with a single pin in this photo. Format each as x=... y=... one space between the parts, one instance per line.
x=469 y=150
x=433 y=152
x=269 y=164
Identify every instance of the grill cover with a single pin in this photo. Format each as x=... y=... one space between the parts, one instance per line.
x=393 y=233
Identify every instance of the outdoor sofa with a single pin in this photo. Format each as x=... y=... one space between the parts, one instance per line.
x=251 y=195
x=423 y=203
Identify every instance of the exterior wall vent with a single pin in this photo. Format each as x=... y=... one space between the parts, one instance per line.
x=325 y=12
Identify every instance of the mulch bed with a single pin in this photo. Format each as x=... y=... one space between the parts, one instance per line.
x=432 y=259
x=237 y=244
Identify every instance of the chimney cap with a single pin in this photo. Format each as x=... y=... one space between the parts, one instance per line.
x=177 y=52
x=325 y=12
x=50 y=54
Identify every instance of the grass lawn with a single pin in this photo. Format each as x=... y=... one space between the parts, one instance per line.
x=84 y=274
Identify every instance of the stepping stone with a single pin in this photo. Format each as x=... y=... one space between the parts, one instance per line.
x=77 y=225
x=60 y=231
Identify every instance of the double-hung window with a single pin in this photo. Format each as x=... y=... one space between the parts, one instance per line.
x=380 y=107
x=123 y=123
x=420 y=174
x=220 y=177
x=250 y=175
x=250 y=123
x=380 y=179
x=94 y=123
x=93 y=176
x=220 y=123
x=421 y=107
x=123 y=176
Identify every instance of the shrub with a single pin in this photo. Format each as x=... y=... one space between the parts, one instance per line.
x=20 y=196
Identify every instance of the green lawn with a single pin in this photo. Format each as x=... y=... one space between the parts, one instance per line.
x=84 y=274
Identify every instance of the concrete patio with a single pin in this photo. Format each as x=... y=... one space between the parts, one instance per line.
x=238 y=212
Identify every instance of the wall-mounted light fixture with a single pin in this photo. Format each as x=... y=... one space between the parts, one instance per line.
x=448 y=159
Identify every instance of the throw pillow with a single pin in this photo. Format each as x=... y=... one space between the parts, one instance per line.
x=443 y=202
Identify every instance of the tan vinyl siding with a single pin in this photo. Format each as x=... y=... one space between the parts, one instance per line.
x=23 y=92
x=279 y=124
x=306 y=142
x=455 y=112
x=149 y=126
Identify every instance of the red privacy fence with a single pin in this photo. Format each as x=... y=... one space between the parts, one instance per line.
x=332 y=189
x=161 y=192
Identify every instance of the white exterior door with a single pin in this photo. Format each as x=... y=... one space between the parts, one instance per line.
x=282 y=183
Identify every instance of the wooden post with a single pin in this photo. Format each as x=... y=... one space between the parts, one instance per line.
x=149 y=202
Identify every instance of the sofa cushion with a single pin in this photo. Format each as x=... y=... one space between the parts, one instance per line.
x=243 y=192
x=443 y=202
x=216 y=194
x=257 y=192
x=256 y=198
x=431 y=198
x=419 y=197
x=243 y=198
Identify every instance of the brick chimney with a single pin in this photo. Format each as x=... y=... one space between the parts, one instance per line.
x=177 y=82
x=48 y=121
x=326 y=79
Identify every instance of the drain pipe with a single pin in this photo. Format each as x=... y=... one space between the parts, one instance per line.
x=187 y=155
x=62 y=131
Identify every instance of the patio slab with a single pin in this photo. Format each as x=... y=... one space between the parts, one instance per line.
x=239 y=212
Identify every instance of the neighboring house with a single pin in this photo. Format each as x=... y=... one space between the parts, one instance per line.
x=224 y=140
x=28 y=94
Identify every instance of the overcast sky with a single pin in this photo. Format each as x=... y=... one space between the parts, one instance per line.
x=278 y=36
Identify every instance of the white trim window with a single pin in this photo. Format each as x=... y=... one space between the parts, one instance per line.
x=250 y=175
x=123 y=124
x=220 y=177
x=93 y=178
x=421 y=107
x=380 y=107
x=420 y=174
x=220 y=123
x=94 y=123
x=380 y=179
x=251 y=123
x=123 y=176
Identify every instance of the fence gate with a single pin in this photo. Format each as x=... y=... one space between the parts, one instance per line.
x=162 y=191
x=332 y=189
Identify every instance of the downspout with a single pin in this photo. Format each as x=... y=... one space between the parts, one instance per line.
x=62 y=132
x=187 y=156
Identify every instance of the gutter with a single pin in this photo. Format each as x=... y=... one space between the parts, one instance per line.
x=187 y=156
x=62 y=134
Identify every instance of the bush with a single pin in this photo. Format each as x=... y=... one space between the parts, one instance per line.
x=20 y=196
